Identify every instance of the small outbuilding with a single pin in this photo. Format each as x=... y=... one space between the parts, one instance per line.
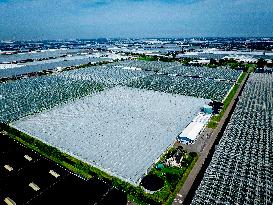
x=207 y=109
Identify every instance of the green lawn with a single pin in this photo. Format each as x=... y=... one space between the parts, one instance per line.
x=173 y=177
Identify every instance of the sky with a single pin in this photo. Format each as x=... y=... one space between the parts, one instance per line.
x=71 y=19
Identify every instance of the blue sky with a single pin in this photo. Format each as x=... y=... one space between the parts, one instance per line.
x=70 y=19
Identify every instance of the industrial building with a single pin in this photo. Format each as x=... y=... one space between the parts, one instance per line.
x=191 y=132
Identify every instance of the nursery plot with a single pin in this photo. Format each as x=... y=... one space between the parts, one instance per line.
x=121 y=130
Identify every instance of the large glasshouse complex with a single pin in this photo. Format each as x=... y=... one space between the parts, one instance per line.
x=241 y=168
x=24 y=97
x=45 y=92
x=122 y=130
x=119 y=117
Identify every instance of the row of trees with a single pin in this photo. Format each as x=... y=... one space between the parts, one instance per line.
x=156 y=58
x=234 y=64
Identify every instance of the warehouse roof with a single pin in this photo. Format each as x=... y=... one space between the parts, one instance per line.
x=195 y=127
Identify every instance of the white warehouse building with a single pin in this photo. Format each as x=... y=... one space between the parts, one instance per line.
x=191 y=132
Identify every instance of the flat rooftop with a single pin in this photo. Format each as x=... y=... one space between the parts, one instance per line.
x=121 y=130
x=196 y=126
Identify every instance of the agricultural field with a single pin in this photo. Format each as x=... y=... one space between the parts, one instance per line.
x=120 y=130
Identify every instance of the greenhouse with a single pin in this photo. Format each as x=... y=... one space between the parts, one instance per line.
x=27 y=96
x=46 y=65
x=36 y=55
x=224 y=74
x=201 y=88
x=174 y=68
x=109 y=74
x=150 y=65
x=241 y=168
x=141 y=74
x=120 y=130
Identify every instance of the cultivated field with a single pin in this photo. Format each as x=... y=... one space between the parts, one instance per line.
x=120 y=130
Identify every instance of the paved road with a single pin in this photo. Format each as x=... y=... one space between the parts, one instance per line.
x=204 y=146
